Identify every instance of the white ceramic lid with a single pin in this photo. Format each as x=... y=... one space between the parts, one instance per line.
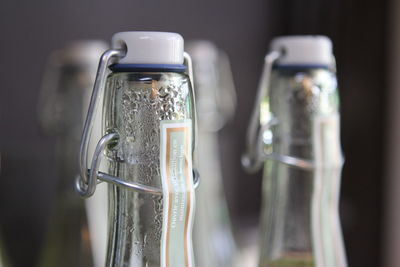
x=304 y=50
x=149 y=47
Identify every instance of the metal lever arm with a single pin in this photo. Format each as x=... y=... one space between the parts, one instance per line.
x=252 y=160
x=85 y=189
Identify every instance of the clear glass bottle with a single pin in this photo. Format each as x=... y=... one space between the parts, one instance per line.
x=300 y=142
x=62 y=106
x=4 y=259
x=149 y=109
x=213 y=240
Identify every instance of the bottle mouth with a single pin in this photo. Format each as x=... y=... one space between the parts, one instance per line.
x=180 y=68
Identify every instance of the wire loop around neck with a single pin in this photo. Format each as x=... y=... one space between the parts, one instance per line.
x=87 y=181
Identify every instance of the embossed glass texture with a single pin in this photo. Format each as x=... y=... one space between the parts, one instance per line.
x=135 y=103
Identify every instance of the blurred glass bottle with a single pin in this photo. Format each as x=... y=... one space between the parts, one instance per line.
x=213 y=241
x=63 y=103
x=4 y=262
x=149 y=119
x=295 y=133
x=4 y=259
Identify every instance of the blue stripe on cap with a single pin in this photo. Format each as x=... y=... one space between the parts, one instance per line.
x=300 y=66
x=148 y=67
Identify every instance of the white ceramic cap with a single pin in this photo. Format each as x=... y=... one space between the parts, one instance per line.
x=149 y=47
x=304 y=50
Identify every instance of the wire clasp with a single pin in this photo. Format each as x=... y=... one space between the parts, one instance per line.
x=86 y=183
x=255 y=154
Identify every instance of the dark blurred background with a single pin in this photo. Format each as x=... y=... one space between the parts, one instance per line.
x=30 y=30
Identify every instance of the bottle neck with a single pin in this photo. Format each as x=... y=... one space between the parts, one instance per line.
x=300 y=212
x=152 y=112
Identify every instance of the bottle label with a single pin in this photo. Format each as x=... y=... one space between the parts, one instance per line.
x=328 y=246
x=178 y=193
x=326 y=140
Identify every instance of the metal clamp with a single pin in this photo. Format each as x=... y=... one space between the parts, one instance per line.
x=87 y=182
x=94 y=174
x=85 y=187
x=189 y=71
x=255 y=155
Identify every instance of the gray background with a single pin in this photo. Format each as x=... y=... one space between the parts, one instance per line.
x=30 y=30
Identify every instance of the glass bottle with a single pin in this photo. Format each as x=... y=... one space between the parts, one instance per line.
x=62 y=106
x=5 y=260
x=149 y=119
x=213 y=241
x=299 y=142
